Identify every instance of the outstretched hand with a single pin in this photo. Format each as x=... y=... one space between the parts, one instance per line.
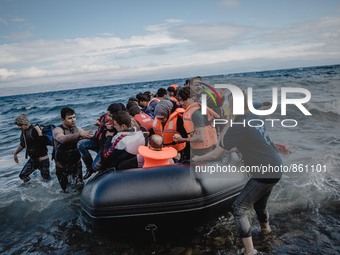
x=86 y=134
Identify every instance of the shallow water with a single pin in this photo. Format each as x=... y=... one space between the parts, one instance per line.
x=37 y=218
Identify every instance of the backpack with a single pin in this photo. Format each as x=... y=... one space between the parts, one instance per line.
x=47 y=131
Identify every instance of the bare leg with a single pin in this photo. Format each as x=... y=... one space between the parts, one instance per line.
x=265 y=228
x=248 y=245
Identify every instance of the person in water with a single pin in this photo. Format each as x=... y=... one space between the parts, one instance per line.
x=33 y=140
x=67 y=156
x=257 y=150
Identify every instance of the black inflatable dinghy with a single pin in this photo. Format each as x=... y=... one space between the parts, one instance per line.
x=174 y=190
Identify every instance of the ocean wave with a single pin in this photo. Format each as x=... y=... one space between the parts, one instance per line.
x=25 y=108
x=328 y=107
x=16 y=192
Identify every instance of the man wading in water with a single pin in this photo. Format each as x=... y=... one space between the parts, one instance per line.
x=67 y=156
x=33 y=140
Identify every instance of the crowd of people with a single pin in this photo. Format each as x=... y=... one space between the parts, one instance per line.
x=150 y=131
x=171 y=120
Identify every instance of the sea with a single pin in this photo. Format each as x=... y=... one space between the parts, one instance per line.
x=38 y=218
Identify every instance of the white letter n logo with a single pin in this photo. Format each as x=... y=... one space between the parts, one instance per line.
x=238 y=97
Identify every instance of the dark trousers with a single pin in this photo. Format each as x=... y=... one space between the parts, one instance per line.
x=255 y=194
x=72 y=170
x=32 y=165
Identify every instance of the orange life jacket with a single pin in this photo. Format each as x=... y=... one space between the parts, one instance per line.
x=175 y=86
x=157 y=158
x=174 y=99
x=144 y=120
x=169 y=130
x=153 y=99
x=210 y=135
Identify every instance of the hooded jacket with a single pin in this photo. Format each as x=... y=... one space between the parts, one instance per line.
x=121 y=147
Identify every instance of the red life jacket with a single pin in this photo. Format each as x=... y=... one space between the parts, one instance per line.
x=100 y=132
x=144 y=120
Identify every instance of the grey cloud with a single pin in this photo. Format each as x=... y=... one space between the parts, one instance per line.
x=229 y=4
x=325 y=30
x=3 y=21
x=158 y=51
x=211 y=37
x=19 y=36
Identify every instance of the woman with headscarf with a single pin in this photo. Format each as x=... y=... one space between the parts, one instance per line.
x=168 y=122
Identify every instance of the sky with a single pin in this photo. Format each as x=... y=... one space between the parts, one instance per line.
x=51 y=45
